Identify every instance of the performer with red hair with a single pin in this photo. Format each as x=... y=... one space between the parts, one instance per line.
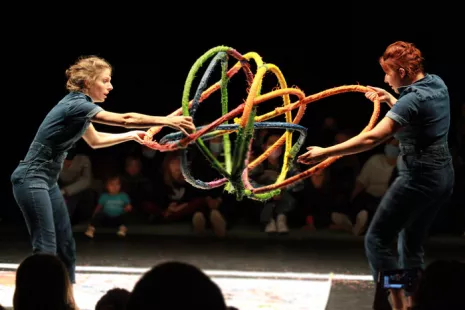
x=420 y=120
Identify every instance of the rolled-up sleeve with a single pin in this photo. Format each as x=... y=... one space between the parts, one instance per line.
x=405 y=109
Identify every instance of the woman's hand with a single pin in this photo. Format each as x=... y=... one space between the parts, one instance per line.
x=314 y=155
x=137 y=135
x=383 y=95
x=183 y=123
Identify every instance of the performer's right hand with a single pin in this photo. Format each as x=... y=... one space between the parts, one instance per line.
x=183 y=123
x=137 y=135
x=382 y=94
x=313 y=155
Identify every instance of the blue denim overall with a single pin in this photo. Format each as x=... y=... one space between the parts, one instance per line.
x=425 y=178
x=35 y=179
x=409 y=207
x=41 y=202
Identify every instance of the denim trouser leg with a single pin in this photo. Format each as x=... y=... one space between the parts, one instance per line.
x=39 y=198
x=407 y=210
x=286 y=204
x=66 y=245
x=48 y=223
x=36 y=206
x=266 y=215
x=273 y=208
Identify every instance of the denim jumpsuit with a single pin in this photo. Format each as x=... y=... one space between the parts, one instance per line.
x=35 y=178
x=425 y=180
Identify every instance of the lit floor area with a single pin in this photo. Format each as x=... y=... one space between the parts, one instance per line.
x=244 y=290
x=253 y=273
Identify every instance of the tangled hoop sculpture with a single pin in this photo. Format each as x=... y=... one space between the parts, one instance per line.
x=236 y=167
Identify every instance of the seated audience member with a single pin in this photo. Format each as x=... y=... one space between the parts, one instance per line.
x=372 y=183
x=176 y=198
x=221 y=206
x=343 y=172
x=275 y=211
x=319 y=201
x=112 y=209
x=441 y=287
x=42 y=282
x=114 y=299
x=149 y=159
x=176 y=286
x=139 y=188
x=75 y=181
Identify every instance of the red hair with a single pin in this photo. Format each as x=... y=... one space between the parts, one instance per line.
x=404 y=55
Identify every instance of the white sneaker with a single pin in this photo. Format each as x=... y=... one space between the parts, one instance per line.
x=271 y=227
x=90 y=232
x=122 y=231
x=360 y=222
x=342 y=221
x=198 y=221
x=218 y=223
x=281 y=224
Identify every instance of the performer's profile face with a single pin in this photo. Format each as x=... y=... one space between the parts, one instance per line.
x=392 y=78
x=100 y=88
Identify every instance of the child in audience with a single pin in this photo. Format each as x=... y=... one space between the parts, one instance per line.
x=112 y=208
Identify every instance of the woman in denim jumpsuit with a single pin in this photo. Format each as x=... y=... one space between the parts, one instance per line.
x=35 y=178
x=420 y=120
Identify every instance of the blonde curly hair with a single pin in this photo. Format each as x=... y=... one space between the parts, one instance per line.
x=86 y=68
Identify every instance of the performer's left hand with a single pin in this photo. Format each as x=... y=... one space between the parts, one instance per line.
x=138 y=135
x=314 y=155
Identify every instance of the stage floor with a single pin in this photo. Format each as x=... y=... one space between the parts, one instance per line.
x=265 y=273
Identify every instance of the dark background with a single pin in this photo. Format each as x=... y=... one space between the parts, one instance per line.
x=153 y=50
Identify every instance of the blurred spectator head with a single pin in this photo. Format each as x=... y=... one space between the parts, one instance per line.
x=176 y=285
x=42 y=282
